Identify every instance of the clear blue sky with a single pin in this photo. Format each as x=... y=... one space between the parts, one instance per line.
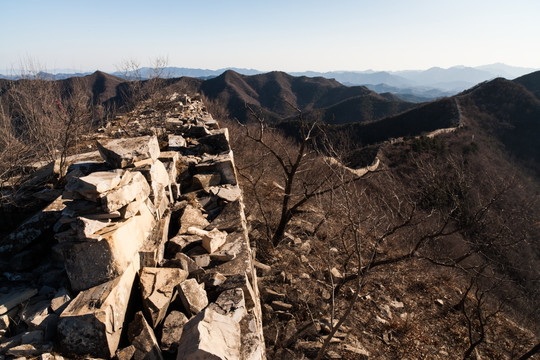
x=270 y=35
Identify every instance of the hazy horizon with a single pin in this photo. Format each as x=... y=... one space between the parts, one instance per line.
x=296 y=36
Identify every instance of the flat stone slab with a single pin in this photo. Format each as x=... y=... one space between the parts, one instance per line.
x=91 y=186
x=120 y=153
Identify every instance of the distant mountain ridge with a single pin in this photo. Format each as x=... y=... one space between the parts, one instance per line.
x=414 y=85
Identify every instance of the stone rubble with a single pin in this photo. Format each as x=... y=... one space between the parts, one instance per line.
x=161 y=213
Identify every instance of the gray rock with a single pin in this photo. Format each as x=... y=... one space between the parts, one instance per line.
x=176 y=142
x=47 y=323
x=201 y=260
x=227 y=192
x=142 y=337
x=91 y=186
x=183 y=261
x=211 y=240
x=234 y=245
x=204 y=181
x=29 y=350
x=229 y=219
x=152 y=252
x=170 y=159
x=126 y=353
x=29 y=337
x=192 y=216
x=30 y=230
x=193 y=296
x=172 y=331
x=34 y=309
x=218 y=140
x=86 y=227
x=213 y=279
x=157 y=288
x=240 y=281
x=222 y=164
x=60 y=300
x=231 y=303
x=180 y=242
x=157 y=176
x=120 y=153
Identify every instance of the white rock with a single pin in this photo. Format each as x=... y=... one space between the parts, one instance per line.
x=193 y=296
x=211 y=240
x=92 y=185
x=136 y=189
x=210 y=335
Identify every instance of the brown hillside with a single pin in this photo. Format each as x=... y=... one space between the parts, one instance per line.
x=531 y=82
x=273 y=93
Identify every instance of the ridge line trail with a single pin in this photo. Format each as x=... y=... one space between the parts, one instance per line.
x=460 y=112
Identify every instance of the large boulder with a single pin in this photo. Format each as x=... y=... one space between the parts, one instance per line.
x=106 y=253
x=92 y=322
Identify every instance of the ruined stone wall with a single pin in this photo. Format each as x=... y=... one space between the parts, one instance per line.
x=149 y=245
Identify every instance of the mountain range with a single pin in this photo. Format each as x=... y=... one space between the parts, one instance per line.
x=508 y=110
x=409 y=85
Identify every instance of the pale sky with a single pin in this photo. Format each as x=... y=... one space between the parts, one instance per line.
x=287 y=35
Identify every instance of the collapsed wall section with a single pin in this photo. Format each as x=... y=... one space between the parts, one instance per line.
x=154 y=242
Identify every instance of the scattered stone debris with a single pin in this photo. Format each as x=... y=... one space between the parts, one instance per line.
x=163 y=209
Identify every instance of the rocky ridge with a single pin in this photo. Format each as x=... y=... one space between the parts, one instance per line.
x=147 y=251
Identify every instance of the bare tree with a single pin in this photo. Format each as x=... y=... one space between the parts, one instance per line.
x=302 y=175
x=42 y=120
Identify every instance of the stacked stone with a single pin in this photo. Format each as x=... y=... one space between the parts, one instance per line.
x=197 y=283
x=108 y=220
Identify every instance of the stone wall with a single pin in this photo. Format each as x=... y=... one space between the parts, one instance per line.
x=149 y=246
